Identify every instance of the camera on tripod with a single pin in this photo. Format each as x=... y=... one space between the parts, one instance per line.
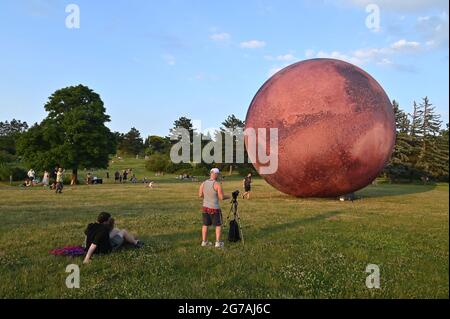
x=235 y=233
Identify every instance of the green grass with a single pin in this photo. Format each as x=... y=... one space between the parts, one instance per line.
x=294 y=248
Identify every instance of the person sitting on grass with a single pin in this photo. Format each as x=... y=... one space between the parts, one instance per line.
x=103 y=238
x=26 y=183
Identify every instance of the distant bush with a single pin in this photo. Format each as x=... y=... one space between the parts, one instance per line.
x=157 y=163
x=180 y=168
x=199 y=171
x=16 y=172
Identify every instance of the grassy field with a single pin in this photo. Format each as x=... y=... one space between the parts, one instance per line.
x=294 y=248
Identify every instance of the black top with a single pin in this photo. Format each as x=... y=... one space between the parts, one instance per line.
x=98 y=234
x=248 y=181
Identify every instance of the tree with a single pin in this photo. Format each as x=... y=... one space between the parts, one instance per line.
x=432 y=157
x=131 y=143
x=416 y=120
x=185 y=123
x=443 y=144
x=232 y=123
x=13 y=127
x=399 y=165
x=73 y=134
x=9 y=132
x=415 y=125
x=230 y=126
x=157 y=144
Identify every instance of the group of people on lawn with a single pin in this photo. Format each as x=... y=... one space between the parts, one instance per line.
x=57 y=178
x=103 y=237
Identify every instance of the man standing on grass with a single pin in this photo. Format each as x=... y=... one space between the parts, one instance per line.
x=211 y=192
x=59 y=180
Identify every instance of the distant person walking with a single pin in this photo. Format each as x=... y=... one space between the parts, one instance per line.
x=116 y=176
x=59 y=180
x=211 y=192
x=125 y=176
x=247 y=184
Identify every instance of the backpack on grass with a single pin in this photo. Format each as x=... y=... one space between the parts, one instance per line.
x=234 y=234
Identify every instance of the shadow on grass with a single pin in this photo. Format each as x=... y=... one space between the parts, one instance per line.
x=383 y=190
x=299 y=222
x=372 y=191
x=166 y=241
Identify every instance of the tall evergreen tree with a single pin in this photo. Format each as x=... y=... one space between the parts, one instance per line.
x=399 y=166
x=131 y=143
x=431 y=157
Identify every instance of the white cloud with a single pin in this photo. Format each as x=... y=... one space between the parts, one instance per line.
x=220 y=37
x=309 y=54
x=282 y=58
x=253 y=44
x=287 y=57
x=340 y=56
x=403 y=45
x=284 y=61
x=169 y=59
x=380 y=56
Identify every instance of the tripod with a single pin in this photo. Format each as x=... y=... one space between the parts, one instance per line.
x=234 y=210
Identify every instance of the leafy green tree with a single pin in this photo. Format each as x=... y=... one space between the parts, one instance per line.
x=157 y=144
x=73 y=134
x=131 y=143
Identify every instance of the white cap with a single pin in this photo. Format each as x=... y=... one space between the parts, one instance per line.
x=215 y=171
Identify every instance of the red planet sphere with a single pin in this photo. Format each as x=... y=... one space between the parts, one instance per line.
x=336 y=128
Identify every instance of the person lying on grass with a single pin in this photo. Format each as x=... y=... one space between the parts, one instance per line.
x=103 y=238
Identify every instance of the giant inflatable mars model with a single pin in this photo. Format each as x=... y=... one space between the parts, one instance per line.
x=336 y=128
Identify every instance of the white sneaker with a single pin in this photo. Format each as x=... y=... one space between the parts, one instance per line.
x=220 y=244
x=206 y=243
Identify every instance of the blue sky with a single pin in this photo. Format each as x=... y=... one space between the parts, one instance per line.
x=154 y=61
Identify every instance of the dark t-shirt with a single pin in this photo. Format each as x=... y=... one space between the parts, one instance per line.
x=248 y=181
x=98 y=234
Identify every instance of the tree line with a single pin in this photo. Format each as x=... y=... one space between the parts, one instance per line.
x=74 y=135
x=421 y=149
